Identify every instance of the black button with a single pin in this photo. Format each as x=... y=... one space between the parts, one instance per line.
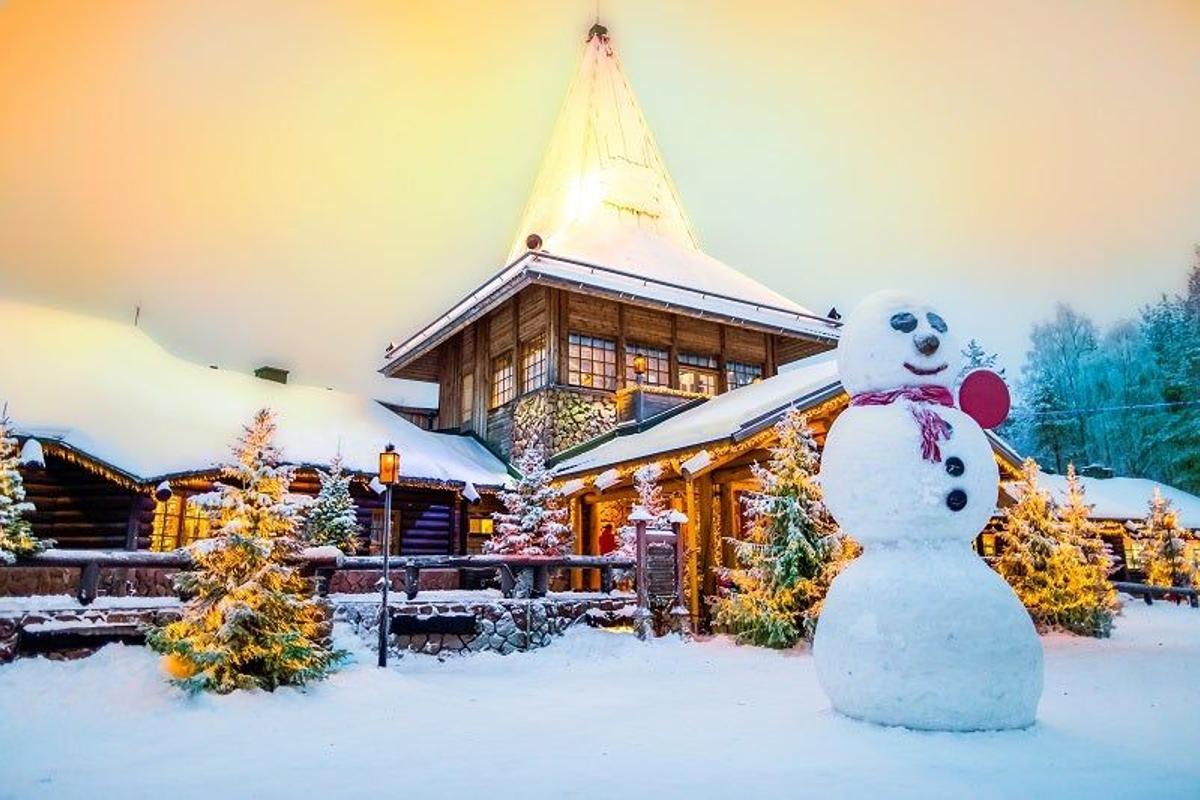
x=955 y=466
x=956 y=500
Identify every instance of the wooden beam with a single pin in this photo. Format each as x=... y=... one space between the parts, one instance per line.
x=691 y=554
x=729 y=516
x=553 y=336
x=708 y=579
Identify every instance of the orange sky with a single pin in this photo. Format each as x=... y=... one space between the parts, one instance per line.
x=300 y=182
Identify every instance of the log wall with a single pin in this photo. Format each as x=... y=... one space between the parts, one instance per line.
x=80 y=509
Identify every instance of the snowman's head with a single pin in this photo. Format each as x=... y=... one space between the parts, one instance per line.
x=894 y=339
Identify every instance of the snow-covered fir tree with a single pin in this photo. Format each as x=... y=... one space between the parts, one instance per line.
x=792 y=552
x=1166 y=560
x=1077 y=528
x=1048 y=569
x=646 y=481
x=251 y=621
x=331 y=518
x=975 y=357
x=16 y=534
x=534 y=522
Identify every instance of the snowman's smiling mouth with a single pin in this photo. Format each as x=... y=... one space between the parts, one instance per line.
x=922 y=371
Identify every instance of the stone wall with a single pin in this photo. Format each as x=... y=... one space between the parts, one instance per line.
x=560 y=418
x=114 y=582
x=502 y=626
x=61 y=610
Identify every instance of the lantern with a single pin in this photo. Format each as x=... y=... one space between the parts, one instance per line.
x=389 y=466
x=639 y=366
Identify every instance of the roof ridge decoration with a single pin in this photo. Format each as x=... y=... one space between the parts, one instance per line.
x=602 y=166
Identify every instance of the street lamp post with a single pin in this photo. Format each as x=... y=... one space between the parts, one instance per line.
x=639 y=371
x=389 y=475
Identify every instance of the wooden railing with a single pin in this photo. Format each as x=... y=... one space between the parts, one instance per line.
x=323 y=564
x=1148 y=592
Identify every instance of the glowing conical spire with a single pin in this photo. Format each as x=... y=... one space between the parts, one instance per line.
x=603 y=176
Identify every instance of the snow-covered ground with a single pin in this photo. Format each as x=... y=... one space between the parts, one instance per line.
x=599 y=715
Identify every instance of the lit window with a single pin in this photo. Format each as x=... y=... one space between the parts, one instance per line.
x=738 y=374
x=178 y=523
x=479 y=530
x=591 y=362
x=533 y=364
x=698 y=374
x=164 y=535
x=502 y=380
x=658 y=365
x=987 y=545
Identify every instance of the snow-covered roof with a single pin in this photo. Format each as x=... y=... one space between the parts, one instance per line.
x=108 y=390
x=1125 y=498
x=668 y=288
x=730 y=415
x=610 y=220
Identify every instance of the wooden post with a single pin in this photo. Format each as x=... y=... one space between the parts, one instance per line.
x=89 y=583
x=412 y=580
x=607 y=581
x=541 y=581
x=642 y=621
x=577 y=575
x=689 y=548
x=704 y=524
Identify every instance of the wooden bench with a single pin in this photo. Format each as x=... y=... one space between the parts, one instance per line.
x=1148 y=592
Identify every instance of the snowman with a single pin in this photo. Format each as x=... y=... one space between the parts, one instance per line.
x=919 y=631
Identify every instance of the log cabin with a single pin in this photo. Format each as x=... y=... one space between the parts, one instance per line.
x=126 y=433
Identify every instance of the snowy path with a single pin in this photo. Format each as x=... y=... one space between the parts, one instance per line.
x=600 y=715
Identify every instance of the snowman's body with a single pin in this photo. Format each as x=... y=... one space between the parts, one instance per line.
x=918 y=631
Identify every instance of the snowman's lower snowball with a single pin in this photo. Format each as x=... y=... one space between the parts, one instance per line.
x=928 y=637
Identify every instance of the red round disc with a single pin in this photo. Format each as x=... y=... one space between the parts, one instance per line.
x=983 y=396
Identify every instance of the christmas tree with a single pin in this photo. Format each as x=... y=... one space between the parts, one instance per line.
x=1166 y=562
x=331 y=518
x=16 y=534
x=1044 y=562
x=793 y=550
x=534 y=522
x=251 y=621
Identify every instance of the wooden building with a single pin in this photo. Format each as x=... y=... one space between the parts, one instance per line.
x=604 y=273
x=129 y=433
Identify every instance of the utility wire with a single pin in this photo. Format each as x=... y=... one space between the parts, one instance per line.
x=1067 y=412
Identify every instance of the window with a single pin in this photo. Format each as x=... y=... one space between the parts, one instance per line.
x=591 y=362
x=376 y=547
x=739 y=374
x=658 y=365
x=533 y=364
x=698 y=374
x=502 y=380
x=177 y=523
x=986 y=545
x=479 y=530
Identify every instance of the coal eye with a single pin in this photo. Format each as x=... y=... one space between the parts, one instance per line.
x=904 y=321
x=937 y=322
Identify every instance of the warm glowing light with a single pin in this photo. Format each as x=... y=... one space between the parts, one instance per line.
x=389 y=466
